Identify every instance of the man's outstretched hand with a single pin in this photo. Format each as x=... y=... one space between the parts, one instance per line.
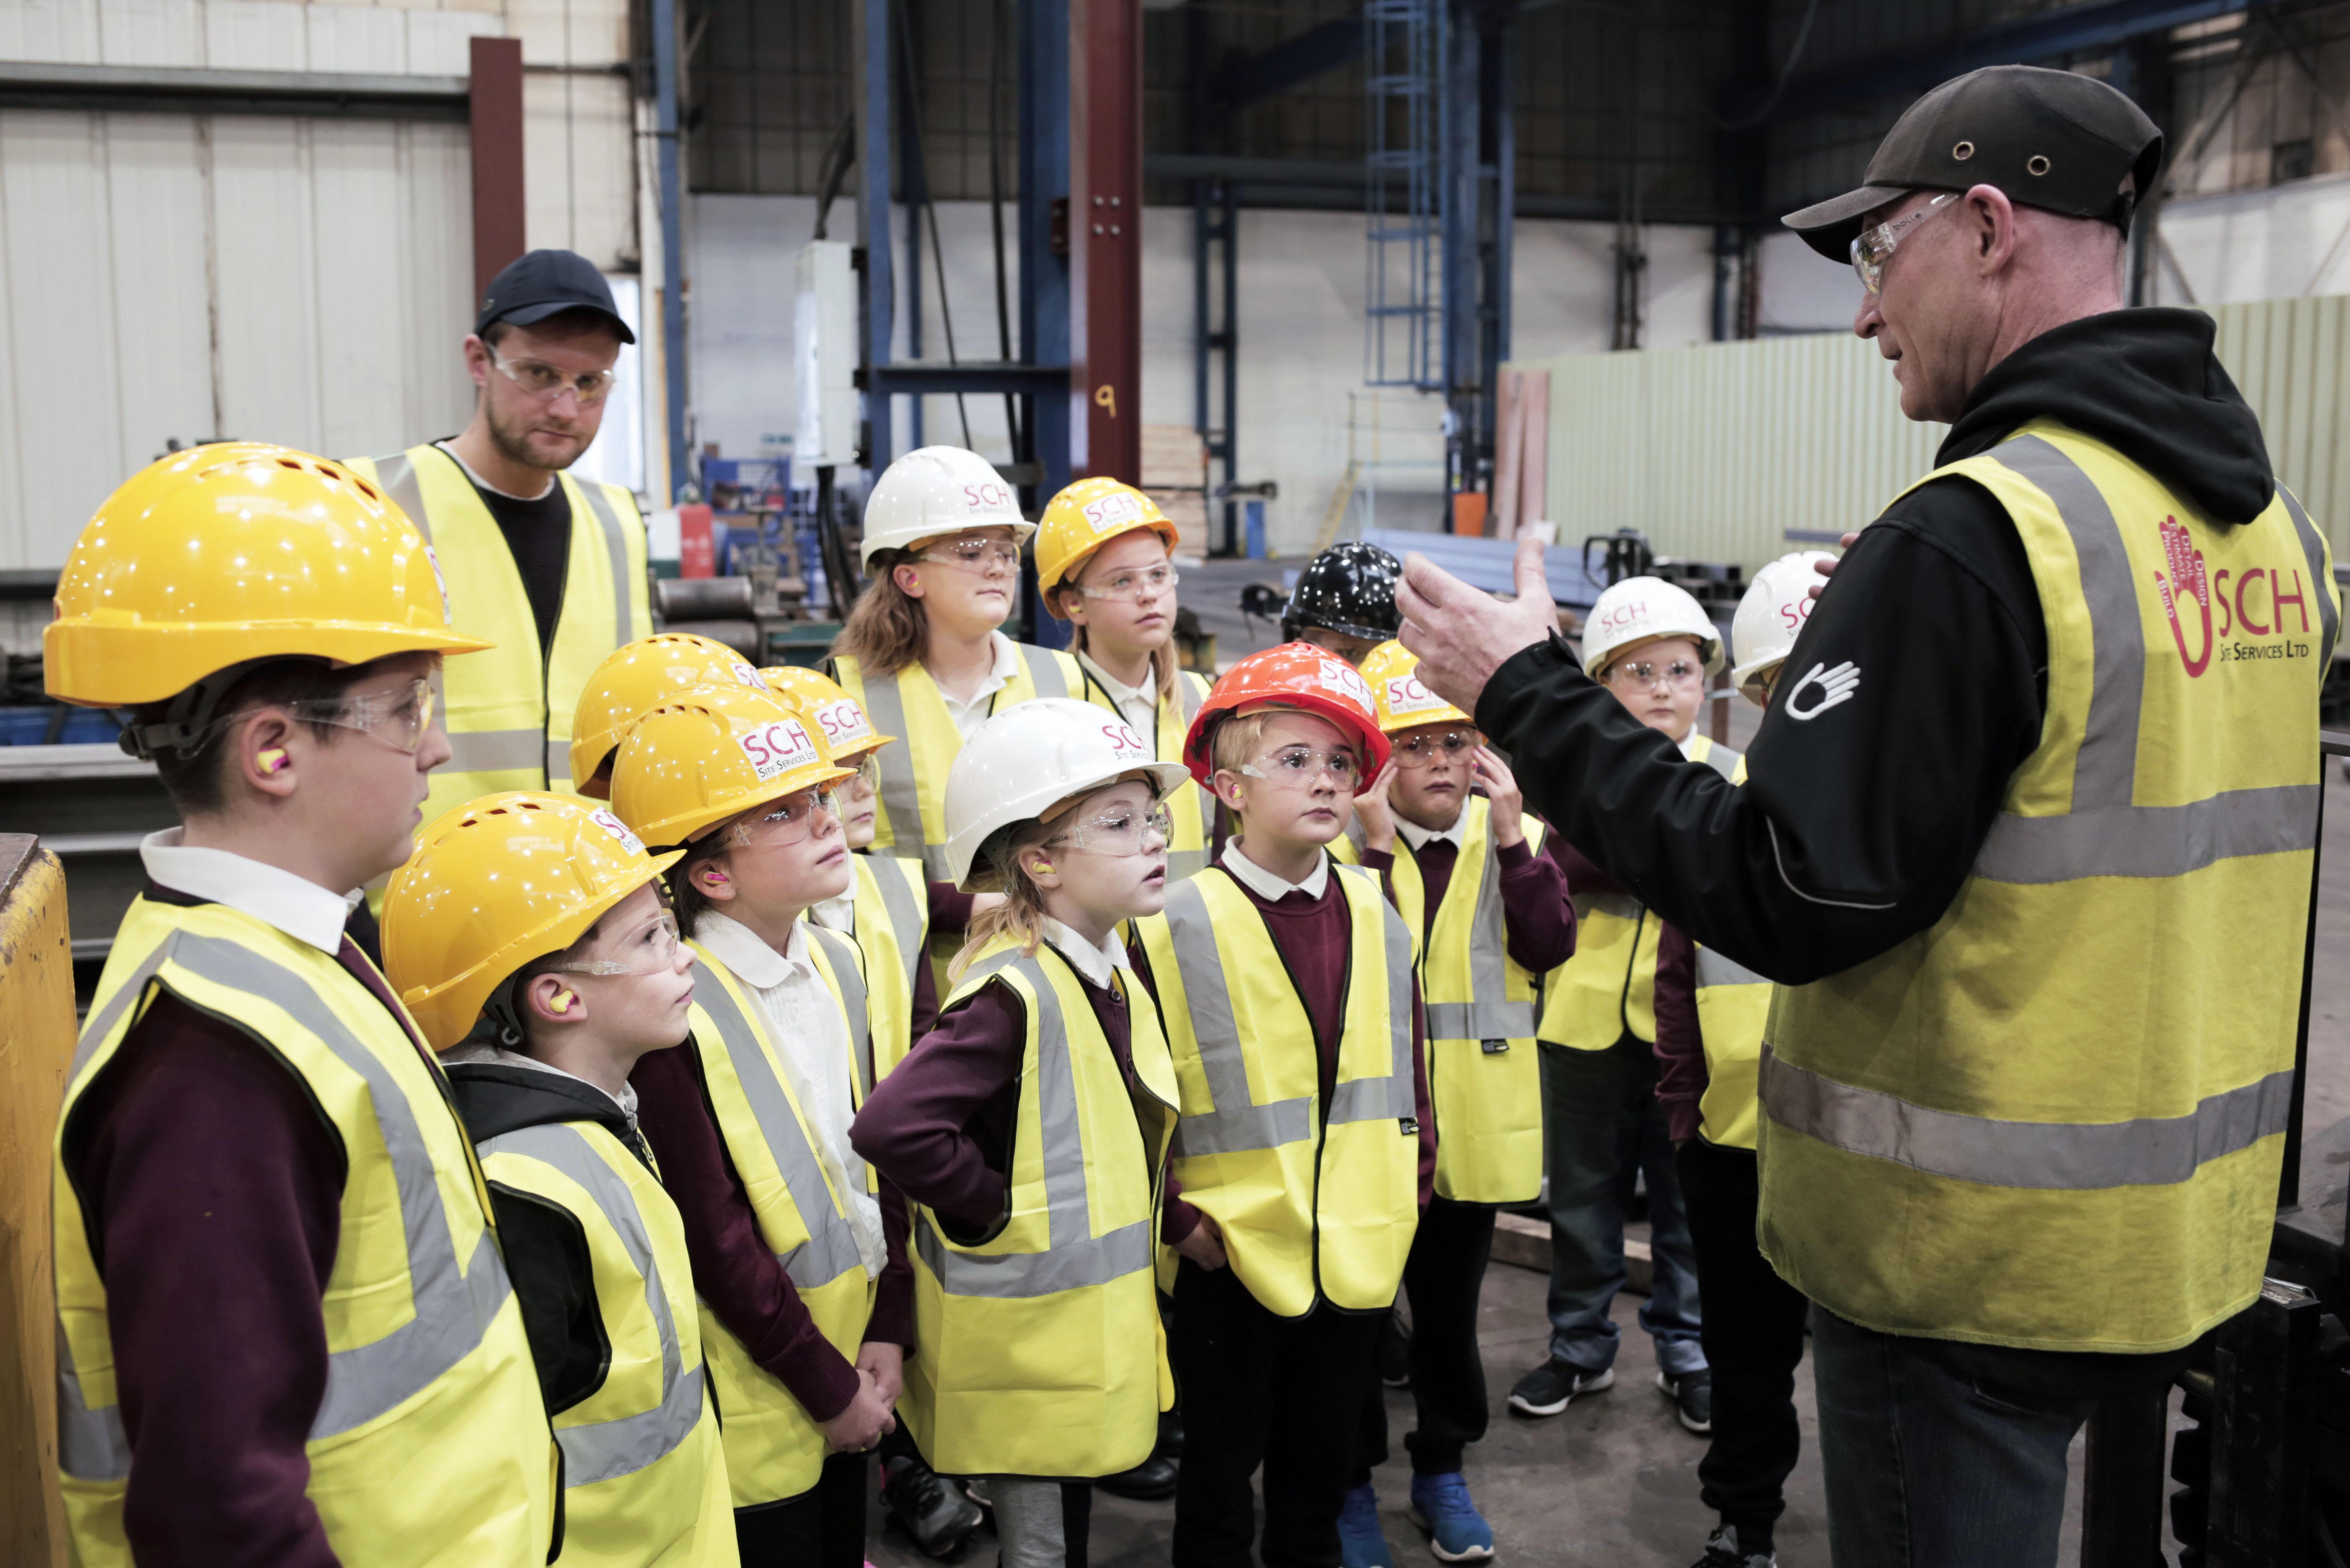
x=1463 y=636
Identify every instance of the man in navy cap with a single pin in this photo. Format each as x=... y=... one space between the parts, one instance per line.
x=548 y=567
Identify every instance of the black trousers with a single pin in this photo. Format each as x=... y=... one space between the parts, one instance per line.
x=1257 y=1388
x=824 y=1527
x=1442 y=1279
x=1753 y=1337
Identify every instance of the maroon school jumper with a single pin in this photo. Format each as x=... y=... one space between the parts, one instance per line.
x=212 y=1186
x=1681 y=1043
x=1537 y=912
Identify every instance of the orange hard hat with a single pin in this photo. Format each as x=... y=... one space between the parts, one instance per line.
x=1295 y=675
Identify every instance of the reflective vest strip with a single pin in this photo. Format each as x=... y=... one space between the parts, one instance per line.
x=1191 y=690
x=1490 y=1015
x=2313 y=547
x=845 y=975
x=830 y=1250
x=397 y=475
x=616 y=551
x=605 y=1450
x=1479 y=1020
x=1045 y=674
x=2150 y=840
x=907 y=908
x=1718 y=968
x=2147 y=1151
x=1076 y=1258
x=488 y=751
x=453 y=1307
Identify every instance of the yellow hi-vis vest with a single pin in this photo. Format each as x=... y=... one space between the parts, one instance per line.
x=508 y=709
x=1608 y=989
x=430 y=1444
x=774 y=1450
x=644 y=1471
x=1193 y=808
x=911 y=818
x=2055 y=1119
x=1039 y=1349
x=1733 y=1004
x=1316 y=1202
x=1484 y=1080
x=893 y=930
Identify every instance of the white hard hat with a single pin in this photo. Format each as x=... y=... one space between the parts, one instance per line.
x=1642 y=609
x=1026 y=761
x=935 y=491
x=1763 y=631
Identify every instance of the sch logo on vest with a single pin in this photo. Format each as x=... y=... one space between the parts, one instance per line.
x=778 y=748
x=2256 y=606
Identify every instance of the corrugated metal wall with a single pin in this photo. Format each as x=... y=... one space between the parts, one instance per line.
x=1716 y=452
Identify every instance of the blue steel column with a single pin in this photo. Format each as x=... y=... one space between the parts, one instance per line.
x=873 y=167
x=1457 y=140
x=672 y=222
x=1044 y=46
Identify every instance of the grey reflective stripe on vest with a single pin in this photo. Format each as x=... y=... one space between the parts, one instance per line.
x=848 y=974
x=1719 y=968
x=2103 y=833
x=830 y=1250
x=453 y=1308
x=605 y=1451
x=397 y=475
x=1182 y=865
x=907 y=919
x=91 y=1444
x=1489 y=1014
x=1045 y=671
x=2078 y=1156
x=616 y=550
x=1623 y=905
x=1722 y=759
x=2313 y=547
x=1237 y=1123
x=901 y=793
x=1076 y=1256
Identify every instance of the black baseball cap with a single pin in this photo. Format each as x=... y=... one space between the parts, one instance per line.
x=2053 y=140
x=541 y=284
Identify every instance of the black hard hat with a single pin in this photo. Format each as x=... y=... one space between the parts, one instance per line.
x=1349 y=588
x=2049 y=138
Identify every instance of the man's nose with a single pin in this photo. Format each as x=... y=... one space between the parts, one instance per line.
x=1865 y=321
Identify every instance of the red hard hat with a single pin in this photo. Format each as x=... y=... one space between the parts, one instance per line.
x=1295 y=675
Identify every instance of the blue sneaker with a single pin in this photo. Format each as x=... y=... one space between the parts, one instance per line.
x=1361 y=1542
x=1457 y=1532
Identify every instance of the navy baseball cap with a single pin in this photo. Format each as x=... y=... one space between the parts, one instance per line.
x=546 y=283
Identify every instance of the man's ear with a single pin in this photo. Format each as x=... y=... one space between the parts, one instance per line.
x=477 y=360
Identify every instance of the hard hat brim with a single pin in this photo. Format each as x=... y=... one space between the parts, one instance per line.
x=97 y=665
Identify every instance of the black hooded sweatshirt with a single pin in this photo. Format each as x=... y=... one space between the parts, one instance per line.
x=1860 y=819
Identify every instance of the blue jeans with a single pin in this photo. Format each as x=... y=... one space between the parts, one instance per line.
x=1926 y=1467
x=1600 y=1123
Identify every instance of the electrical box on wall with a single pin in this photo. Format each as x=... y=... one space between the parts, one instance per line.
x=824 y=344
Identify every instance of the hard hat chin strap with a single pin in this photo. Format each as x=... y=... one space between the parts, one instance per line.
x=501 y=1020
x=189 y=719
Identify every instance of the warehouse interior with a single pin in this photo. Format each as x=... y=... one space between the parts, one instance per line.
x=1435 y=274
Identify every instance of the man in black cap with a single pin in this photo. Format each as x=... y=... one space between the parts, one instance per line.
x=548 y=567
x=2026 y=840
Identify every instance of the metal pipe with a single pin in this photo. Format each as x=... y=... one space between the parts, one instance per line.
x=672 y=222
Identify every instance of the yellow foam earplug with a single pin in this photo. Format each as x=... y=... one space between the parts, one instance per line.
x=562 y=1003
x=271 y=760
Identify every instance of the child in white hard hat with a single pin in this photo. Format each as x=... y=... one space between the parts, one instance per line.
x=1654 y=646
x=1030 y=1126
x=1710 y=1013
x=1445 y=825
x=922 y=652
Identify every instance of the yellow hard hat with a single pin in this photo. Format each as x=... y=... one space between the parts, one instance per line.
x=1392 y=671
x=1083 y=518
x=493 y=885
x=706 y=756
x=847 y=731
x=635 y=678
x=239 y=551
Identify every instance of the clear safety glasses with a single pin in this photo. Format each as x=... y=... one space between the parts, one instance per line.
x=787 y=821
x=1301 y=767
x=869 y=776
x=1134 y=588
x=541 y=379
x=975 y=555
x=1120 y=830
x=1632 y=674
x=1874 y=247
x=398 y=718
x=1421 y=751
x=650 y=949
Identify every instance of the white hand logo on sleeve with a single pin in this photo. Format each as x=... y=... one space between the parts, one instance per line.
x=1837 y=685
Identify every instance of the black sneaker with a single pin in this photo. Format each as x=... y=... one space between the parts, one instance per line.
x=1149 y=1481
x=1552 y=1386
x=938 y=1517
x=1692 y=1396
x=1722 y=1550
x=1170 y=1435
x=1395 y=1350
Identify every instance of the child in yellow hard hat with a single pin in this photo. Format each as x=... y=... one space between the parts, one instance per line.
x=1104 y=562
x=1445 y=824
x=796 y=1251
x=530 y=936
x=257 y=1154
x=635 y=678
x=1030 y=1126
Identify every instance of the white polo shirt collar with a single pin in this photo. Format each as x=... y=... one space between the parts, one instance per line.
x=294 y=905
